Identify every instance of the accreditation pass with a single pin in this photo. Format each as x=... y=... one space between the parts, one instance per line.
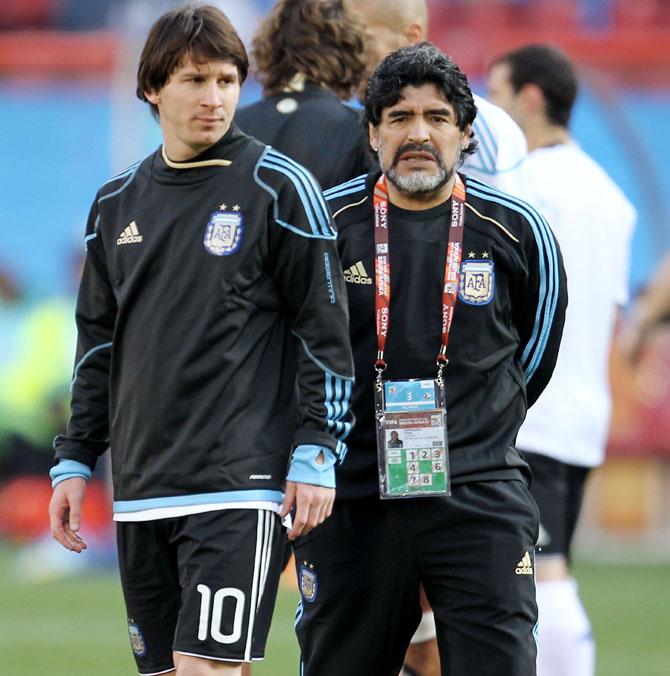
x=412 y=440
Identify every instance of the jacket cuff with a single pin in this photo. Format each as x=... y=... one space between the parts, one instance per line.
x=305 y=470
x=67 y=469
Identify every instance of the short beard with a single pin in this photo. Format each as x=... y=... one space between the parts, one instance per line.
x=418 y=185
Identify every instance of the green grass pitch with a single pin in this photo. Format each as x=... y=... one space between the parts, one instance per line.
x=76 y=627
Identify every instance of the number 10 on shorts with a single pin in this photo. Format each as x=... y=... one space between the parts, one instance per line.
x=213 y=608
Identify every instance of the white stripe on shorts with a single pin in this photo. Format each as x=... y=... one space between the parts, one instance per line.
x=261 y=563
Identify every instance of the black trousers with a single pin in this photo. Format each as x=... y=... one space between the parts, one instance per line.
x=359 y=576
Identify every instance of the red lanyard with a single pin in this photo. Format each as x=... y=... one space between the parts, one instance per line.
x=383 y=267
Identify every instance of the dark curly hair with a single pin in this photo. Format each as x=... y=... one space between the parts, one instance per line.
x=323 y=39
x=418 y=65
x=202 y=32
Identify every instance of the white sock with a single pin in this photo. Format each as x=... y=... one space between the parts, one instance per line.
x=565 y=644
x=426 y=630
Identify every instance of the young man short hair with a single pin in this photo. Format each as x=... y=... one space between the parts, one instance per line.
x=211 y=283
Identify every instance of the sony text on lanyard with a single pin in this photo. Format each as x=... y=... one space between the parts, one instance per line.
x=411 y=414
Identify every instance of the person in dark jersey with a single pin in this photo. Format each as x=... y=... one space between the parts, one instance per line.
x=310 y=56
x=458 y=305
x=211 y=285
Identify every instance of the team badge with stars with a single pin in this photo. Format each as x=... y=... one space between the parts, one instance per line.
x=136 y=639
x=477 y=281
x=307 y=582
x=224 y=231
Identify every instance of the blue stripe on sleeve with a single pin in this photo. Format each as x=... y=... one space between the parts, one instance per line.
x=319 y=363
x=80 y=363
x=130 y=170
x=307 y=187
x=354 y=185
x=131 y=175
x=337 y=401
x=549 y=274
x=316 y=231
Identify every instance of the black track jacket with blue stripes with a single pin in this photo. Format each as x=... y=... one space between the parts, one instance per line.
x=209 y=286
x=505 y=334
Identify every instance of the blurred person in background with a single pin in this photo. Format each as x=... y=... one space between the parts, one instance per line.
x=309 y=56
x=212 y=359
x=36 y=336
x=650 y=310
x=565 y=433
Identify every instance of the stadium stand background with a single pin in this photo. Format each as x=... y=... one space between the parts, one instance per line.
x=70 y=121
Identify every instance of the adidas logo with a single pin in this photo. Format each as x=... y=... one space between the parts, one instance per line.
x=131 y=235
x=357 y=274
x=525 y=566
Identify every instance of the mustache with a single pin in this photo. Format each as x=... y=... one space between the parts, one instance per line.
x=417 y=147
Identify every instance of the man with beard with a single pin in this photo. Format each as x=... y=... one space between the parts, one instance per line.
x=467 y=342
x=501 y=146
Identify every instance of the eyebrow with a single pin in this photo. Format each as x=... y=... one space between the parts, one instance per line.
x=434 y=111
x=191 y=72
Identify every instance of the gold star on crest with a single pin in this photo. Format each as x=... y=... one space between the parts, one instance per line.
x=236 y=207
x=471 y=254
x=222 y=206
x=485 y=254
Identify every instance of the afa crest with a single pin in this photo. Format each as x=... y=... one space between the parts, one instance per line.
x=136 y=640
x=224 y=233
x=307 y=582
x=477 y=282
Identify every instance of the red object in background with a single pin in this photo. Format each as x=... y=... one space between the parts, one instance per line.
x=58 y=53
x=641 y=400
x=22 y=13
x=24 y=505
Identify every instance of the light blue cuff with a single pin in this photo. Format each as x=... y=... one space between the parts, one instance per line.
x=67 y=469
x=305 y=470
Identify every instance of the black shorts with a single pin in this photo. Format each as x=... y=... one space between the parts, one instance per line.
x=203 y=584
x=558 y=489
x=359 y=576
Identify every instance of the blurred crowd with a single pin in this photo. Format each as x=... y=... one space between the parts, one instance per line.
x=99 y=14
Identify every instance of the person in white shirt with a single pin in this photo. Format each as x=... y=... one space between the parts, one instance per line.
x=499 y=161
x=565 y=432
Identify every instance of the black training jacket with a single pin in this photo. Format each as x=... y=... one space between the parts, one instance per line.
x=314 y=128
x=208 y=286
x=505 y=334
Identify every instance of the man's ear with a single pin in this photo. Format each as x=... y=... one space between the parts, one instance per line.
x=466 y=137
x=414 y=33
x=532 y=98
x=373 y=136
x=152 y=97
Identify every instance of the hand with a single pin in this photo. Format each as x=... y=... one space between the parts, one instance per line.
x=313 y=505
x=65 y=513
